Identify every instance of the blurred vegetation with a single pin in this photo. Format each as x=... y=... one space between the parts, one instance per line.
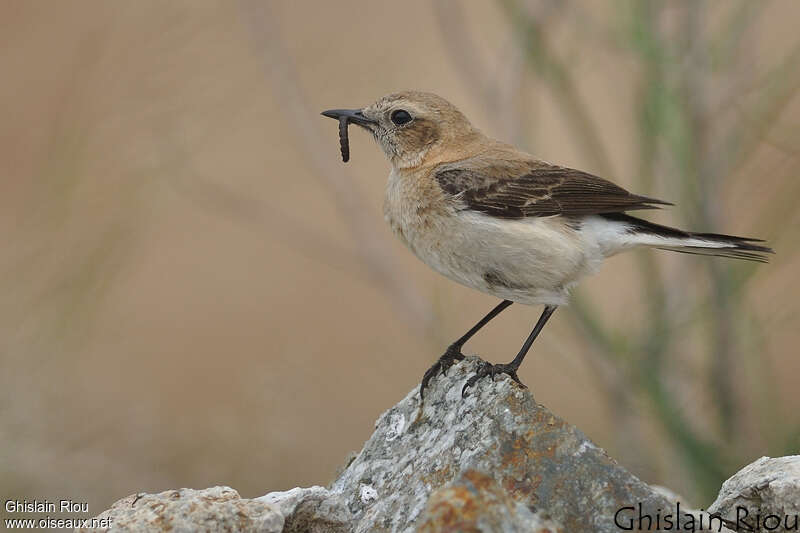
x=701 y=109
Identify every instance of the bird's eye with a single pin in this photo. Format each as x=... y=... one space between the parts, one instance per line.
x=400 y=117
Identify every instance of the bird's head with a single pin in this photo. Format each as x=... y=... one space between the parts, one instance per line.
x=412 y=127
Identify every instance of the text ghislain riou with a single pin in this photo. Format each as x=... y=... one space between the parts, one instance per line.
x=46 y=506
x=631 y=518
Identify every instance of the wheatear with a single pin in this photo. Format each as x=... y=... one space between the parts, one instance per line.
x=501 y=221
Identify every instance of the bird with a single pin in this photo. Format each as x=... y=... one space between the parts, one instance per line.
x=499 y=220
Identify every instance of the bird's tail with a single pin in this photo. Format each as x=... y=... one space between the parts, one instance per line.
x=665 y=238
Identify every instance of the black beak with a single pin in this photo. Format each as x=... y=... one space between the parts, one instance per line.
x=353 y=115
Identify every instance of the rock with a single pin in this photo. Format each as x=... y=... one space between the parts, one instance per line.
x=495 y=458
x=312 y=509
x=495 y=461
x=763 y=494
x=187 y=510
x=476 y=502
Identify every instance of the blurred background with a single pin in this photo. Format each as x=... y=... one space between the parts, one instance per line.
x=196 y=291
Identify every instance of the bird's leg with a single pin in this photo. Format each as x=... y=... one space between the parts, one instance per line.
x=489 y=369
x=453 y=352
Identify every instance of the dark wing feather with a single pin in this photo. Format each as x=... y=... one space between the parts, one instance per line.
x=518 y=189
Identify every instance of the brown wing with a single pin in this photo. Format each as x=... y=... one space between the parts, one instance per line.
x=518 y=189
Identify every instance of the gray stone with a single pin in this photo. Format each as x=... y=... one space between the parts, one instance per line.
x=313 y=509
x=476 y=502
x=763 y=488
x=187 y=510
x=495 y=461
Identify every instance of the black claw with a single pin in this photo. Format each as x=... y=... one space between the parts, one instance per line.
x=513 y=375
x=488 y=369
x=441 y=366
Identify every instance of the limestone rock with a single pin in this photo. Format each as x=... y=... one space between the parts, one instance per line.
x=476 y=502
x=311 y=509
x=187 y=510
x=495 y=461
x=764 y=488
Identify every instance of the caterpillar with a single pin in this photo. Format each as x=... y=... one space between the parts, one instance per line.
x=344 y=142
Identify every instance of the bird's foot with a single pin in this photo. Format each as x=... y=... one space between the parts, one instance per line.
x=488 y=369
x=448 y=359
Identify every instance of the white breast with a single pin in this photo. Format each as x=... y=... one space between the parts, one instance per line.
x=531 y=261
